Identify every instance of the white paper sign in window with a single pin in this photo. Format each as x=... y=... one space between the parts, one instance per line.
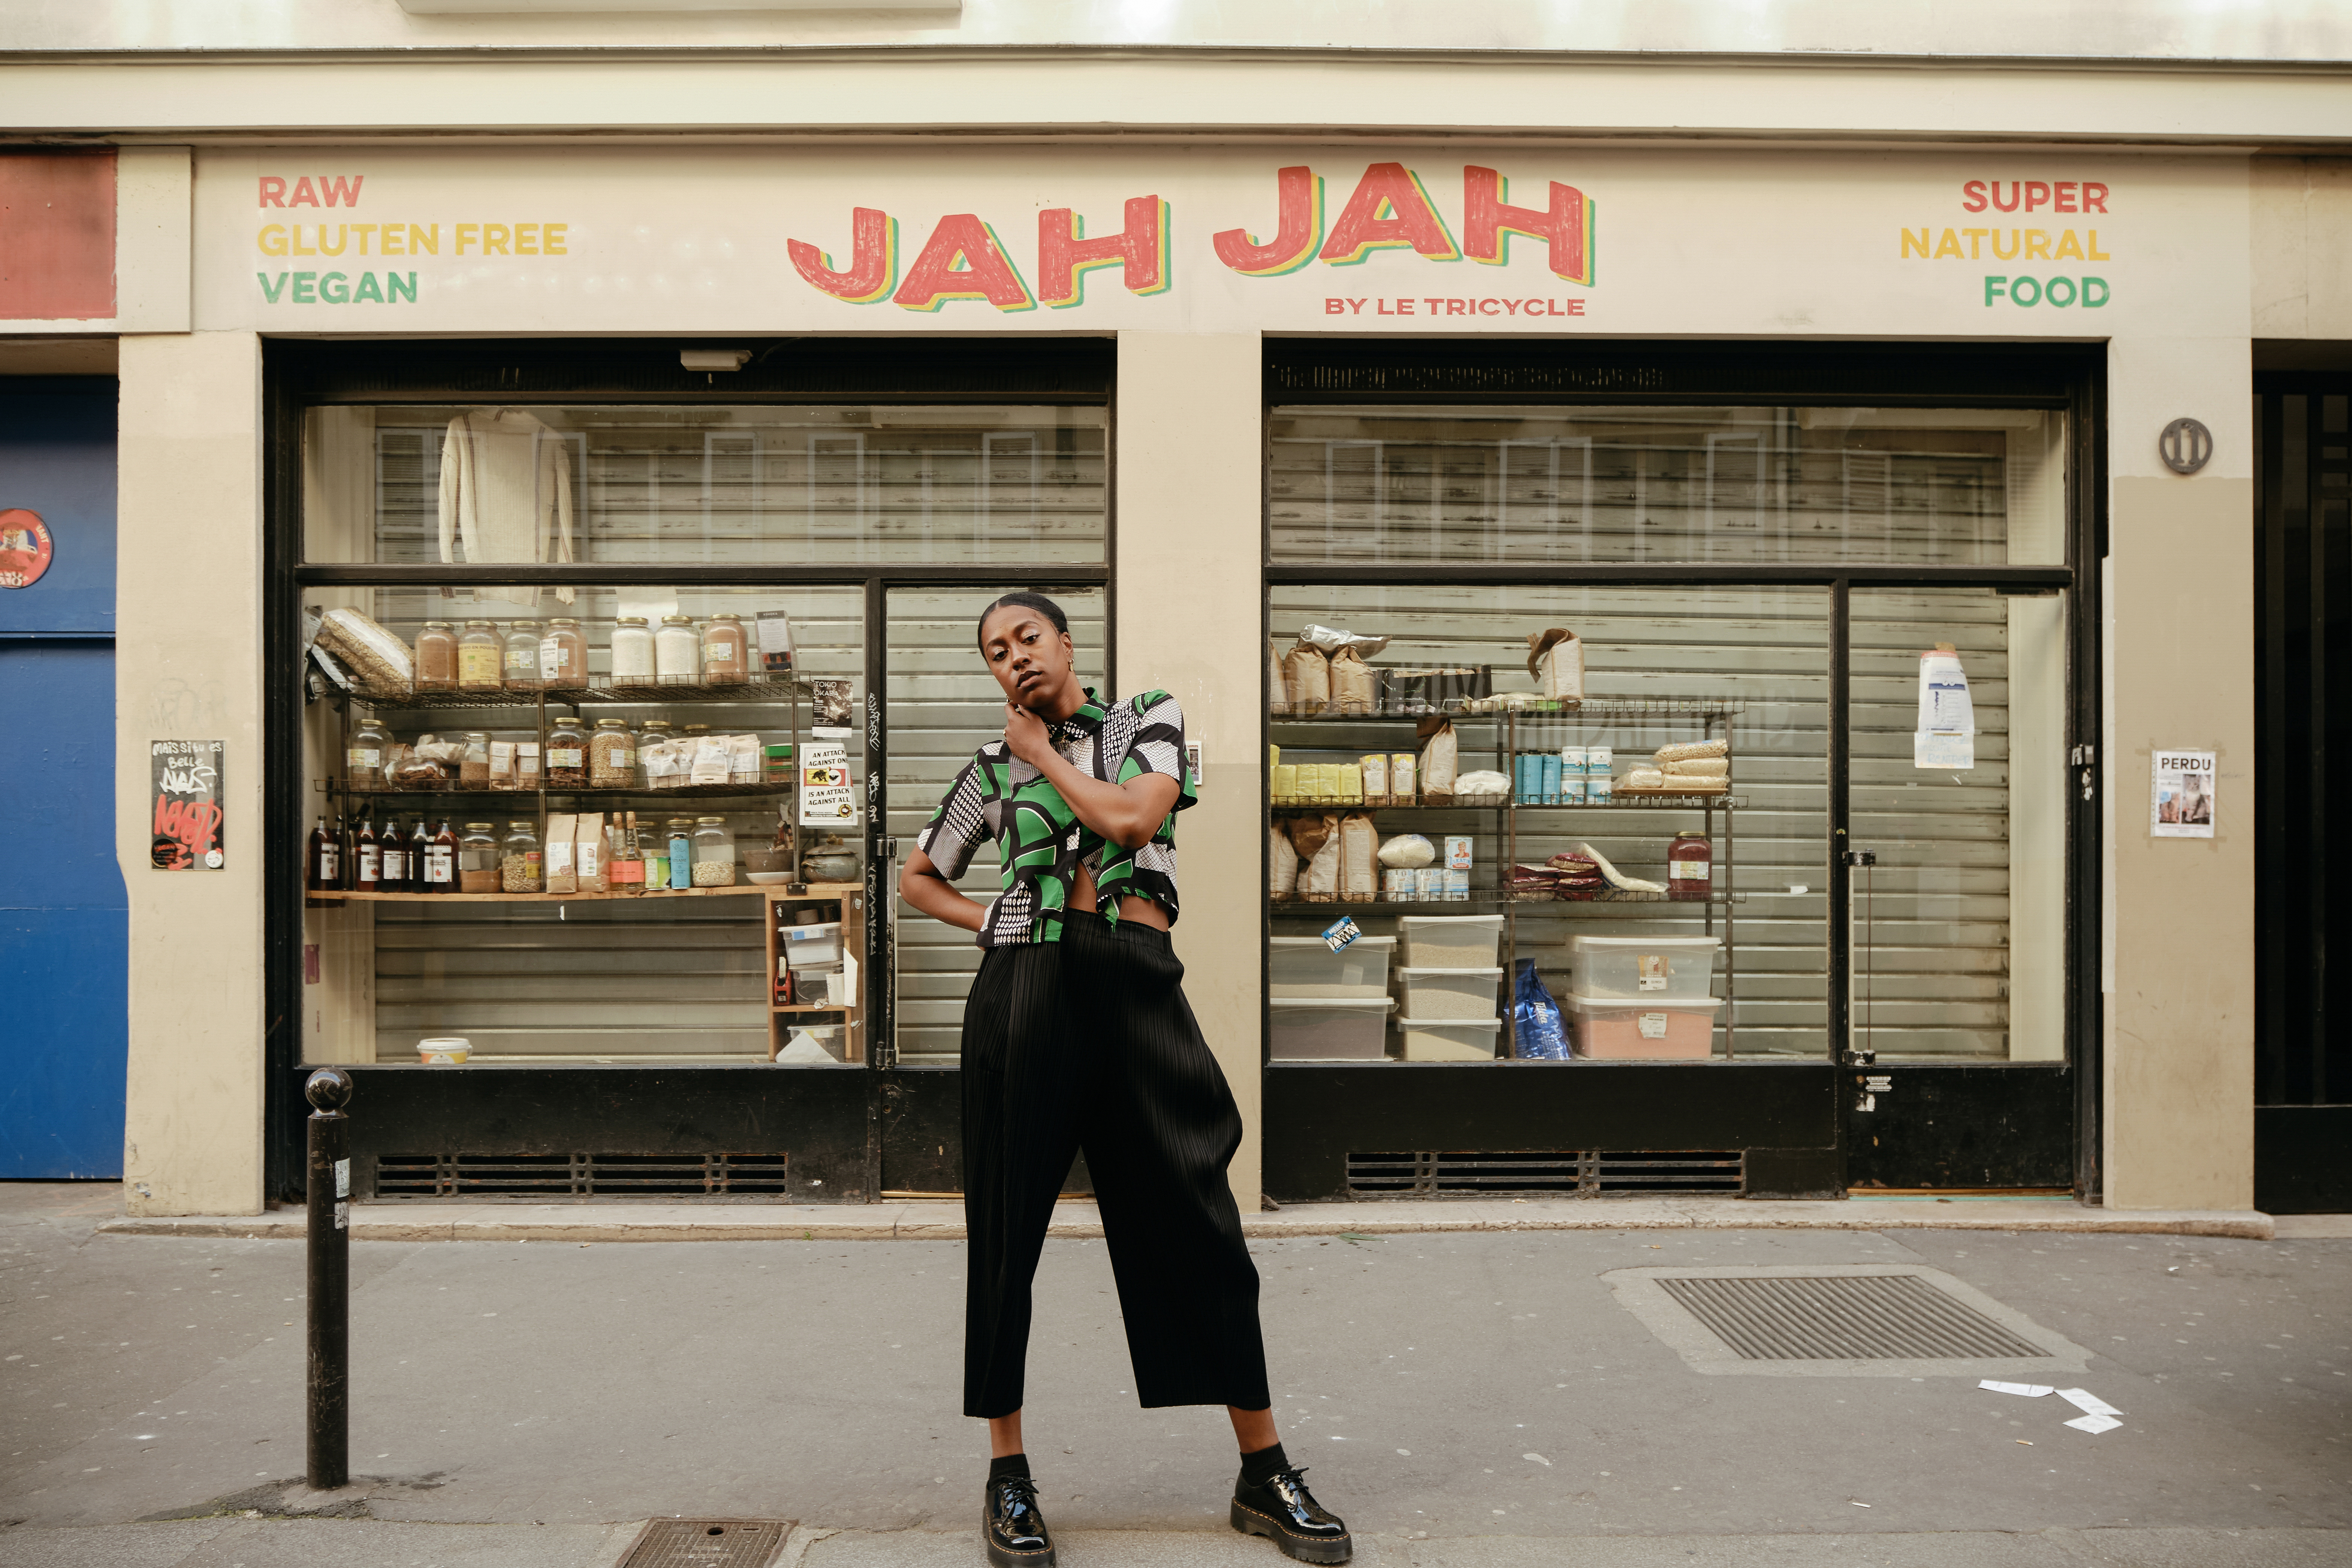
x=2180 y=803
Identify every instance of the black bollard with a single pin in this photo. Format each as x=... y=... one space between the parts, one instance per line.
x=329 y=1453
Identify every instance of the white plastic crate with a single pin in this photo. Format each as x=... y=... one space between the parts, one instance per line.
x=1450 y=942
x=1667 y=1029
x=1304 y=966
x=1643 y=967
x=812 y=946
x=1449 y=1039
x=1330 y=1028
x=1450 y=992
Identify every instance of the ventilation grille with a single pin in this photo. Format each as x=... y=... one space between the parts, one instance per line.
x=1890 y=1316
x=671 y=1176
x=1561 y=1172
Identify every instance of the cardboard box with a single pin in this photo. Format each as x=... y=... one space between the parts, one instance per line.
x=592 y=852
x=562 y=876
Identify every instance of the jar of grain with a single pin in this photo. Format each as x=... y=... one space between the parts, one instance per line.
x=523 y=656
x=478 y=656
x=478 y=859
x=726 y=652
x=633 y=652
x=436 y=656
x=519 y=866
x=365 y=754
x=567 y=754
x=677 y=652
x=563 y=655
x=714 y=853
x=473 y=765
x=613 y=755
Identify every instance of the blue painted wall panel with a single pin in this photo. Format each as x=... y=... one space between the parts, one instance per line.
x=57 y=456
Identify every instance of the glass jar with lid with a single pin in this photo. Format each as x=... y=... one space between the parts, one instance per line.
x=478 y=656
x=567 y=752
x=612 y=755
x=474 y=764
x=1690 y=868
x=436 y=656
x=677 y=651
x=521 y=868
x=658 y=759
x=365 y=753
x=633 y=652
x=478 y=859
x=563 y=655
x=714 y=853
x=521 y=669
x=726 y=652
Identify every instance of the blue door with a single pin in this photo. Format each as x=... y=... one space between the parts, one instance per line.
x=63 y=1026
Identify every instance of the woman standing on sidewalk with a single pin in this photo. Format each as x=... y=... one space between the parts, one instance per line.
x=1076 y=1036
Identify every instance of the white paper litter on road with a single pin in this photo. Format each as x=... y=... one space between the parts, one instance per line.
x=2088 y=1403
x=2094 y=1423
x=2031 y=1390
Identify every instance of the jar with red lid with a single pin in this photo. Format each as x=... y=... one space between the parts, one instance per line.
x=1690 y=868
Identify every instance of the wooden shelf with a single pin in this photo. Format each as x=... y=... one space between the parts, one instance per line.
x=844 y=1008
x=739 y=891
x=752 y=690
x=445 y=791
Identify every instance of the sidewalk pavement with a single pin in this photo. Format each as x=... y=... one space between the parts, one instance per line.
x=626 y=1220
x=1469 y=1399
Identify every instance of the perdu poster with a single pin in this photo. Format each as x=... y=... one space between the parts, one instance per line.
x=188 y=791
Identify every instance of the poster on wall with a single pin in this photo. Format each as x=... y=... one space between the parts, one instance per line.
x=827 y=799
x=2180 y=801
x=187 y=811
x=1947 y=732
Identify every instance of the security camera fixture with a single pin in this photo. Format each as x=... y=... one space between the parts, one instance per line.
x=2185 y=445
x=713 y=359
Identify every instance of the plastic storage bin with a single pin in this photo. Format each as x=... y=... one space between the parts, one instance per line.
x=1306 y=966
x=1638 y=967
x=1450 y=992
x=1329 y=1029
x=1614 y=1028
x=1450 y=942
x=812 y=946
x=1449 y=1039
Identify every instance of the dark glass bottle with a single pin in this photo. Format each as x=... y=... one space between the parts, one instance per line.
x=420 y=848
x=323 y=869
x=347 y=852
x=391 y=876
x=441 y=861
x=369 y=878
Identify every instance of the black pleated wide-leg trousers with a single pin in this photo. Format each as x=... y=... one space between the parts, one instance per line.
x=1088 y=1042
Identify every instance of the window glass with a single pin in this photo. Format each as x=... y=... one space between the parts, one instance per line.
x=944 y=704
x=1499 y=484
x=1958 y=929
x=730 y=485
x=1745 y=667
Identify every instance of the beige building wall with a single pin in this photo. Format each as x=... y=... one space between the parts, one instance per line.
x=1190 y=532
x=188 y=666
x=2179 y=648
x=2302 y=247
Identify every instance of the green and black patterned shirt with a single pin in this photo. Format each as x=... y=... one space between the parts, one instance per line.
x=1041 y=842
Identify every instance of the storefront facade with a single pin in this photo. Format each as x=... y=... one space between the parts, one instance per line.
x=1785 y=435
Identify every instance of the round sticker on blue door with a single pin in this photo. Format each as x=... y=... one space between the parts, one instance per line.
x=23 y=548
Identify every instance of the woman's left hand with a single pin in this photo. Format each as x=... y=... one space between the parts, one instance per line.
x=1026 y=734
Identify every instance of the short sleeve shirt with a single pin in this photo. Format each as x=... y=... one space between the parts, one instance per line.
x=1042 y=845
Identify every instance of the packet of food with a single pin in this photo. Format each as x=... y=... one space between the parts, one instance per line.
x=563 y=873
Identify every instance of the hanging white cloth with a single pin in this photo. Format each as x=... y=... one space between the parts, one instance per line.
x=505 y=490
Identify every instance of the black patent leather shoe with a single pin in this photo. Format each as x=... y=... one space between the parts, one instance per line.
x=1284 y=1509
x=1012 y=1528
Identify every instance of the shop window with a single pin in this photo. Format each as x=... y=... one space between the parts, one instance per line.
x=1520 y=486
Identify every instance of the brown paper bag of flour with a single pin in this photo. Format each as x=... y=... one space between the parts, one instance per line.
x=1439 y=754
x=1353 y=690
x=1556 y=659
x=1359 y=870
x=1281 y=863
x=1317 y=841
x=1308 y=674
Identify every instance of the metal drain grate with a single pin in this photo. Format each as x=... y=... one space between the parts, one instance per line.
x=709 y=1543
x=580 y=1175
x=1561 y=1172
x=1887 y=1316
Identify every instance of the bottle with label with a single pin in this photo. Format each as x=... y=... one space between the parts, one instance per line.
x=628 y=866
x=347 y=857
x=521 y=671
x=420 y=850
x=1690 y=868
x=563 y=655
x=479 y=655
x=681 y=852
x=322 y=863
x=370 y=861
x=726 y=652
x=392 y=875
x=441 y=861
x=364 y=752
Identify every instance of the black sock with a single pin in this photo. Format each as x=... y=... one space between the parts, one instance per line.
x=1011 y=1465
x=1263 y=1466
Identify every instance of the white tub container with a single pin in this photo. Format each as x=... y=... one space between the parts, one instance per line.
x=1449 y=1039
x=1450 y=942
x=1329 y=1029
x=1620 y=1029
x=1449 y=993
x=812 y=946
x=444 y=1051
x=1306 y=966
x=1637 y=967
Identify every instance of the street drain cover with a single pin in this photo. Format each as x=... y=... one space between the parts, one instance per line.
x=709 y=1543
x=1850 y=1320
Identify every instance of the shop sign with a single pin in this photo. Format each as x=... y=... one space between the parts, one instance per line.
x=187 y=815
x=25 y=548
x=863 y=240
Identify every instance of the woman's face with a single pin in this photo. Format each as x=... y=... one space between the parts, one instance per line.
x=1029 y=659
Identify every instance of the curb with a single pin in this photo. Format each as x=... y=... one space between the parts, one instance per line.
x=944 y=1222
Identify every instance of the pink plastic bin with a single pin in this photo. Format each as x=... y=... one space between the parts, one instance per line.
x=1609 y=1028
